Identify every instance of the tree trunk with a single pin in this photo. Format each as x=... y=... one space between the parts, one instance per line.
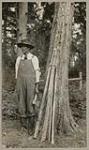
x=54 y=27
x=22 y=22
x=5 y=34
x=55 y=113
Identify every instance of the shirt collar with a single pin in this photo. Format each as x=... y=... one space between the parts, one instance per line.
x=29 y=56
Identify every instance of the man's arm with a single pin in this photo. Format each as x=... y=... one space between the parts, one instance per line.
x=36 y=68
x=17 y=66
x=35 y=62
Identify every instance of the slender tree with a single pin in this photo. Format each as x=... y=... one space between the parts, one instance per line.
x=22 y=22
x=55 y=114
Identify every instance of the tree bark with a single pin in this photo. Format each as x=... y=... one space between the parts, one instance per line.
x=22 y=22
x=54 y=27
x=66 y=121
x=4 y=52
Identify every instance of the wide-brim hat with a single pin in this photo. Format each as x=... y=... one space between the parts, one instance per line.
x=25 y=43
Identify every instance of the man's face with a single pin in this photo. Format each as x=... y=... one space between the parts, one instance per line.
x=25 y=50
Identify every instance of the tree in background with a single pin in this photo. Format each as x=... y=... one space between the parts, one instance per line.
x=22 y=23
x=9 y=30
x=78 y=48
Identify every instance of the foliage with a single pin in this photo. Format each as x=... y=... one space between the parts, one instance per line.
x=78 y=49
x=9 y=29
x=77 y=99
x=40 y=16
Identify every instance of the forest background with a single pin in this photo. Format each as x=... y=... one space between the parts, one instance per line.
x=40 y=18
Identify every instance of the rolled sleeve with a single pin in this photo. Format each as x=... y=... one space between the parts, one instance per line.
x=36 y=68
x=16 y=66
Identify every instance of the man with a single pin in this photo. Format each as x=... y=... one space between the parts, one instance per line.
x=27 y=76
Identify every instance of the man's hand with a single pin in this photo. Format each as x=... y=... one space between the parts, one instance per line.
x=36 y=88
x=15 y=85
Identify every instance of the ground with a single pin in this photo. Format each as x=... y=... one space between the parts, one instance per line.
x=13 y=136
x=17 y=138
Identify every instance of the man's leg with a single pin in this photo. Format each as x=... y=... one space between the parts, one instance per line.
x=30 y=108
x=21 y=91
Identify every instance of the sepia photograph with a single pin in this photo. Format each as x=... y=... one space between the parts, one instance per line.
x=44 y=75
